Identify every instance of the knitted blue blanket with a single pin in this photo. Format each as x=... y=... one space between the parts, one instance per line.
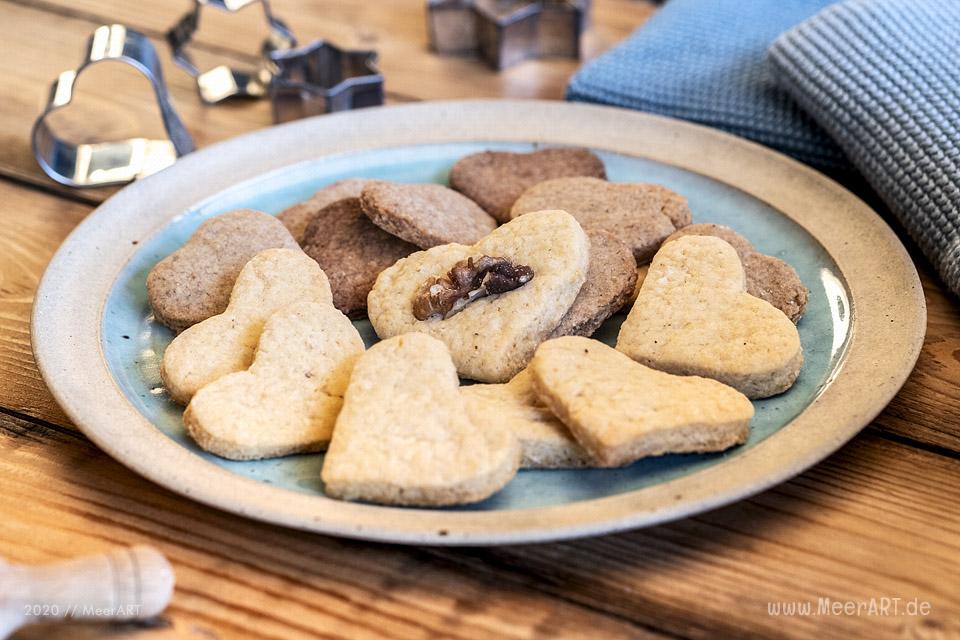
x=883 y=78
x=867 y=84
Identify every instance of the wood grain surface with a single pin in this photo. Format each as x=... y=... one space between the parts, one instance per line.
x=880 y=519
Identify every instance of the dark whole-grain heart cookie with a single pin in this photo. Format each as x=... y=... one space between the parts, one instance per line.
x=495 y=179
x=426 y=215
x=611 y=278
x=297 y=218
x=352 y=251
x=641 y=215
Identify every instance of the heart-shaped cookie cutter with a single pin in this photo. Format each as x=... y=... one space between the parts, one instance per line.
x=222 y=81
x=120 y=161
x=322 y=78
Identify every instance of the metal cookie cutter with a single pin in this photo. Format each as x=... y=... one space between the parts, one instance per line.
x=452 y=26
x=105 y=163
x=505 y=32
x=222 y=82
x=321 y=78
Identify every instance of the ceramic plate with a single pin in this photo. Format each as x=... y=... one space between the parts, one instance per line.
x=99 y=348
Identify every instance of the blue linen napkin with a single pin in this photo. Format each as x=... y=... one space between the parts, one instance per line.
x=868 y=86
x=883 y=78
x=705 y=61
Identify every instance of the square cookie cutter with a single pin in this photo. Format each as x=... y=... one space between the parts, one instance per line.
x=116 y=162
x=322 y=78
x=222 y=81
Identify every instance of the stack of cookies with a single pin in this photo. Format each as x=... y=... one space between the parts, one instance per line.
x=498 y=279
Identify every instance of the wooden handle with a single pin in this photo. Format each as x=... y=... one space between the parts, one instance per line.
x=127 y=584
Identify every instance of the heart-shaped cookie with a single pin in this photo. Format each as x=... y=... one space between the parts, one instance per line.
x=621 y=411
x=495 y=179
x=352 y=251
x=298 y=217
x=641 y=276
x=492 y=338
x=640 y=215
x=426 y=215
x=226 y=342
x=404 y=436
x=546 y=442
x=693 y=316
x=289 y=398
x=611 y=281
x=194 y=282
x=768 y=277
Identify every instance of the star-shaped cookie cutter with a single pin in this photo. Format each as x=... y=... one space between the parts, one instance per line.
x=322 y=78
x=505 y=32
x=222 y=81
x=116 y=162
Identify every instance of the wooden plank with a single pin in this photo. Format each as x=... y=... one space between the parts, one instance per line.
x=863 y=525
x=877 y=520
x=34 y=224
x=241 y=579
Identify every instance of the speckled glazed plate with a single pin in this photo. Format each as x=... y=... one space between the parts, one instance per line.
x=99 y=349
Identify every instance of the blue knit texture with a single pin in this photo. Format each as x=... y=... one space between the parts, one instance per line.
x=883 y=78
x=705 y=61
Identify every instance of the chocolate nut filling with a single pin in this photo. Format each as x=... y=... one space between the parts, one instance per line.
x=467 y=281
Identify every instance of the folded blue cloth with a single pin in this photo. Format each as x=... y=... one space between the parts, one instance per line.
x=857 y=87
x=883 y=78
x=705 y=61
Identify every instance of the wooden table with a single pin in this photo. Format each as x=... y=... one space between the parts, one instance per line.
x=880 y=519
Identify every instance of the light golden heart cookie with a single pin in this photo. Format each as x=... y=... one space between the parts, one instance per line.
x=289 y=398
x=693 y=316
x=545 y=441
x=768 y=277
x=492 y=338
x=621 y=411
x=404 y=437
x=225 y=343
